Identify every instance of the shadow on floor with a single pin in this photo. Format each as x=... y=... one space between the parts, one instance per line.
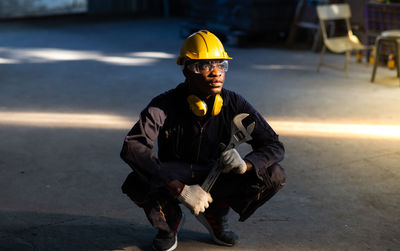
x=41 y=231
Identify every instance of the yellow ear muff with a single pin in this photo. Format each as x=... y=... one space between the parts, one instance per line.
x=198 y=106
x=218 y=102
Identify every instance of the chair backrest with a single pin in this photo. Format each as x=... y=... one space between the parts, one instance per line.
x=334 y=11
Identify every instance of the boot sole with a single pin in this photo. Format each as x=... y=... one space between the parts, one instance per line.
x=207 y=225
x=171 y=248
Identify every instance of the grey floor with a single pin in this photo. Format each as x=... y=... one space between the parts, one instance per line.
x=71 y=90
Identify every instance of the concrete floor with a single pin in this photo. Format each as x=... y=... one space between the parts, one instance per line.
x=70 y=91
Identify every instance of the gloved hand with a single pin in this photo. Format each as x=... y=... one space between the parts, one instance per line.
x=232 y=161
x=195 y=198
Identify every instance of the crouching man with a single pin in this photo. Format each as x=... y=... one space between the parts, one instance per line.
x=189 y=123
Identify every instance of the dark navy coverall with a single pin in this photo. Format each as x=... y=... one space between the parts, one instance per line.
x=188 y=146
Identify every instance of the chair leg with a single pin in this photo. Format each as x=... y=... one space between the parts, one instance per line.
x=397 y=57
x=321 y=57
x=317 y=39
x=377 y=44
x=397 y=42
x=346 y=63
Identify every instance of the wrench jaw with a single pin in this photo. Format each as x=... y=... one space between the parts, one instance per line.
x=240 y=133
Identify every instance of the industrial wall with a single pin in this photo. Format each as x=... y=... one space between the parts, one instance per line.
x=32 y=8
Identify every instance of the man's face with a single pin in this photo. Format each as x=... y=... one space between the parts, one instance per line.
x=206 y=78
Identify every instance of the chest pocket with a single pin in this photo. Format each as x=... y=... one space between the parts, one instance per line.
x=184 y=141
x=216 y=133
x=170 y=143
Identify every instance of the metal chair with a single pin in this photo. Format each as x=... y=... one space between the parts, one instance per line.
x=337 y=44
x=387 y=36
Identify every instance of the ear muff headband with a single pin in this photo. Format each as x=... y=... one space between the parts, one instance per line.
x=199 y=107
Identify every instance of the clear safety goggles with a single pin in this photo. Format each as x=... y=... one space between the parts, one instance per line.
x=208 y=66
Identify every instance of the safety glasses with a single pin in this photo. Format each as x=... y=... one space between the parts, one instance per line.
x=208 y=66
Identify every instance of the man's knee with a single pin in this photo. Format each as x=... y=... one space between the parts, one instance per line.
x=278 y=175
x=136 y=188
x=271 y=185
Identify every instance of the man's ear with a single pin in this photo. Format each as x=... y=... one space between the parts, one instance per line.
x=188 y=73
x=185 y=72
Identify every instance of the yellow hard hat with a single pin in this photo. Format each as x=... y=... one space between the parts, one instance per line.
x=202 y=45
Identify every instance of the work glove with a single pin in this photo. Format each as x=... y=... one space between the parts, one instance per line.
x=195 y=198
x=233 y=162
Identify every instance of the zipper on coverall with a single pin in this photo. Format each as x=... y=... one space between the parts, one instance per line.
x=199 y=145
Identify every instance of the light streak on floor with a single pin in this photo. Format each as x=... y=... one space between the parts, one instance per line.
x=283 y=67
x=117 y=122
x=335 y=129
x=48 y=55
x=65 y=120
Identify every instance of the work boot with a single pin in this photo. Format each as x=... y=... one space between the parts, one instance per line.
x=219 y=229
x=168 y=241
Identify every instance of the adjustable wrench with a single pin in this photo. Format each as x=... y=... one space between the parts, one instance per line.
x=239 y=135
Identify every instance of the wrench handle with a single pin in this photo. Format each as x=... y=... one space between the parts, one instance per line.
x=212 y=177
x=214 y=173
